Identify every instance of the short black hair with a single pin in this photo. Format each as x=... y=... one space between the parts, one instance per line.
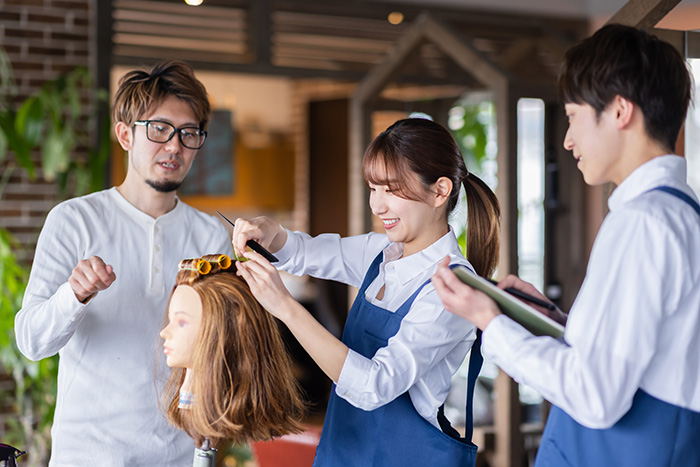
x=636 y=65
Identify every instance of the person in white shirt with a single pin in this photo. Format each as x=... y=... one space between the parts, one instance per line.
x=102 y=273
x=400 y=347
x=625 y=383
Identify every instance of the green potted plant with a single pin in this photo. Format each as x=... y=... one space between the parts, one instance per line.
x=51 y=122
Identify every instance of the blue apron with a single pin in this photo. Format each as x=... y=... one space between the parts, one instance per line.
x=394 y=434
x=652 y=433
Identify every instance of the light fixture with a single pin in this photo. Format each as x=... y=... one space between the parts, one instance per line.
x=194 y=2
x=395 y=17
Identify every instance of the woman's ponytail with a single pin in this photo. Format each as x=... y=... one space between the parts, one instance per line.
x=483 y=226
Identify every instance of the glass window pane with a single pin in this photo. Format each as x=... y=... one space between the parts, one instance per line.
x=531 y=191
x=531 y=166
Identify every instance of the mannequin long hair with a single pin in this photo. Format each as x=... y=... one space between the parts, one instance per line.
x=241 y=372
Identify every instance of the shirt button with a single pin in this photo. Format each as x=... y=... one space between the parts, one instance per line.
x=390 y=283
x=157 y=248
x=156 y=270
x=390 y=266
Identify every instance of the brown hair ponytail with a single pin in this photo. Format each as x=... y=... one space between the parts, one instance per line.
x=483 y=226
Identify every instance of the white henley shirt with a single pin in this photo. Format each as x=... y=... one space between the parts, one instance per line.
x=107 y=411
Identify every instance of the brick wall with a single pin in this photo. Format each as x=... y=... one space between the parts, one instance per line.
x=42 y=38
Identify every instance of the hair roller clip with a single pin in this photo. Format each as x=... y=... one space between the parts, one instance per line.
x=224 y=261
x=195 y=264
x=203 y=266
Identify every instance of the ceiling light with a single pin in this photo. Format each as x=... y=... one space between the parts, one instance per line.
x=194 y=2
x=395 y=17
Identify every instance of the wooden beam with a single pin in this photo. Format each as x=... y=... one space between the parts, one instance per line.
x=516 y=52
x=297 y=72
x=509 y=447
x=259 y=32
x=692 y=41
x=643 y=14
x=358 y=137
x=463 y=52
x=381 y=75
x=677 y=39
x=553 y=43
x=454 y=45
x=101 y=68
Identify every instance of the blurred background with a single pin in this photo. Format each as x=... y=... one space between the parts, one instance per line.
x=298 y=89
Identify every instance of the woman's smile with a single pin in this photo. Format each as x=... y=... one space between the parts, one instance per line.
x=390 y=223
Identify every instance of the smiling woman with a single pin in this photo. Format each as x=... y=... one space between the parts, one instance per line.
x=231 y=373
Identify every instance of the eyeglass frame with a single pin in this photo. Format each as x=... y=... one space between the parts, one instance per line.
x=177 y=130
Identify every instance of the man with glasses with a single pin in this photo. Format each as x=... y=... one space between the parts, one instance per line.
x=103 y=271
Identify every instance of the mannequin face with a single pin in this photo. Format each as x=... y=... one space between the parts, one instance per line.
x=184 y=321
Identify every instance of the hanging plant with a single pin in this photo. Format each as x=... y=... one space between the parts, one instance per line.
x=52 y=123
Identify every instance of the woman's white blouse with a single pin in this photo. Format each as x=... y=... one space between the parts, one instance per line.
x=431 y=342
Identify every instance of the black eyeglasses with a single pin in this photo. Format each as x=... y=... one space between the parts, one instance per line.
x=161 y=132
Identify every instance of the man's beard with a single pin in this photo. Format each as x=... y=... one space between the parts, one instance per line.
x=164 y=186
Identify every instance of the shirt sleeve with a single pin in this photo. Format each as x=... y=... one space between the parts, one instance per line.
x=330 y=256
x=427 y=334
x=612 y=328
x=50 y=310
x=222 y=240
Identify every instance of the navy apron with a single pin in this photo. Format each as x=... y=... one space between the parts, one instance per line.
x=394 y=435
x=652 y=433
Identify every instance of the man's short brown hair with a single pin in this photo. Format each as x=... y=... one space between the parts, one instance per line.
x=141 y=91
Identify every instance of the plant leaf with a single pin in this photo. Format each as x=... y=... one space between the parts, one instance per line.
x=16 y=143
x=72 y=92
x=3 y=145
x=29 y=121
x=54 y=154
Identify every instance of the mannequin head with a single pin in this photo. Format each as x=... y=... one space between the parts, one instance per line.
x=229 y=348
x=184 y=324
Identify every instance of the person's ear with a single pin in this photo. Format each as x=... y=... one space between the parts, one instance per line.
x=443 y=188
x=623 y=111
x=124 y=135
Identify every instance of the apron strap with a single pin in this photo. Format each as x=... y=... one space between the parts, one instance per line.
x=475 y=362
x=475 y=357
x=371 y=273
x=680 y=195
